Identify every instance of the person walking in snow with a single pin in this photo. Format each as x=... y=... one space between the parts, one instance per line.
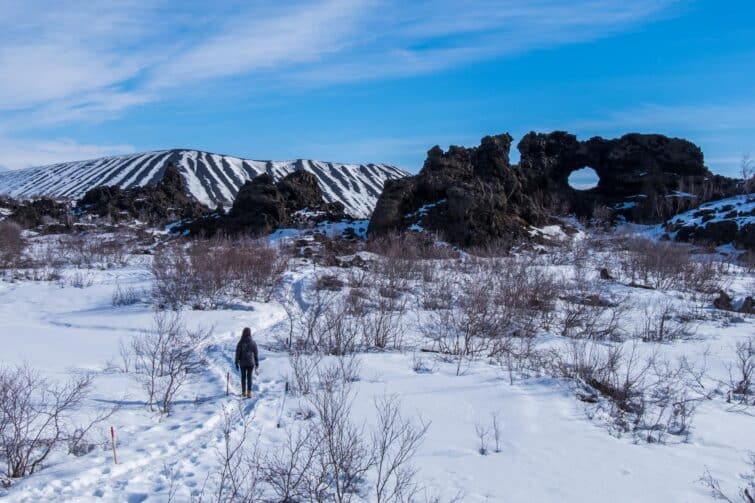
x=247 y=360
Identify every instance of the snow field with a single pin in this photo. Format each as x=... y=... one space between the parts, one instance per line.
x=551 y=449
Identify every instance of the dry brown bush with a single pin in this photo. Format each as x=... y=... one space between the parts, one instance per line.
x=11 y=244
x=94 y=251
x=204 y=273
x=742 y=373
x=665 y=265
x=647 y=396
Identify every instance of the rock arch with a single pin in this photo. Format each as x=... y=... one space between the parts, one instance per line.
x=473 y=196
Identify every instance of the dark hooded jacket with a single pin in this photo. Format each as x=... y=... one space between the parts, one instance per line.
x=246 y=352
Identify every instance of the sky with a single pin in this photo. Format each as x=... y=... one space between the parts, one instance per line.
x=368 y=80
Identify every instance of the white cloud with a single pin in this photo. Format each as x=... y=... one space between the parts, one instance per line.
x=24 y=153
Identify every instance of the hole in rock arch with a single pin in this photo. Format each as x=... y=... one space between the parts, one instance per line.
x=583 y=179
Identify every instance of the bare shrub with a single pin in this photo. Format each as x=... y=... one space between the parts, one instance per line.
x=350 y=368
x=328 y=324
x=204 y=273
x=166 y=357
x=339 y=334
x=662 y=322
x=246 y=268
x=257 y=268
x=304 y=367
x=325 y=458
x=394 y=444
x=410 y=246
x=646 y=396
x=211 y=272
x=742 y=372
x=405 y=257
x=746 y=494
x=37 y=417
x=173 y=284
x=126 y=296
x=81 y=279
x=342 y=457
x=527 y=291
x=591 y=318
x=438 y=294
x=665 y=265
x=380 y=321
x=608 y=372
x=706 y=276
x=496 y=430
x=477 y=313
x=657 y=264
x=238 y=477
x=482 y=433
x=12 y=244
x=339 y=373
x=94 y=251
x=420 y=365
x=517 y=354
x=287 y=471
x=466 y=331
x=43 y=262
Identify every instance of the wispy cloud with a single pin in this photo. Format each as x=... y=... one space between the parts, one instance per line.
x=709 y=117
x=82 y=60
x=24 y=153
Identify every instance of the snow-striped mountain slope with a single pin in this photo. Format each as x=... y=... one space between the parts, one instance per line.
x=212 y=178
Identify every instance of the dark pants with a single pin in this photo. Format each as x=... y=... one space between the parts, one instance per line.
x=246 y=379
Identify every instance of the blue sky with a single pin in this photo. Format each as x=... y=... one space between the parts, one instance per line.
x=367 y=80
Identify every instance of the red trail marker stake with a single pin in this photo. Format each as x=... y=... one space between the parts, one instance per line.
x=228 y=383
x=112 y=437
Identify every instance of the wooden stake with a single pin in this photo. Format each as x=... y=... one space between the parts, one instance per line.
x=112 y=437
x=228 y=383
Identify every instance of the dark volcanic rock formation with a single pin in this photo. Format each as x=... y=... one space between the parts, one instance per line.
x=166 y=201
x=730 y=220
x=473 y=196
x=641 y=176
x=42 y=211
x=263 y=205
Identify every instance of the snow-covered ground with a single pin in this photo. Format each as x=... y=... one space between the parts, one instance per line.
x=552 y=448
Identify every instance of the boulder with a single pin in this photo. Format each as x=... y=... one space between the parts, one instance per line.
x=259 y=207
x=471 y=196
x=300 y=190
x=263 y=205
x=747 y=307
x=723 y=302
x=166 y=201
